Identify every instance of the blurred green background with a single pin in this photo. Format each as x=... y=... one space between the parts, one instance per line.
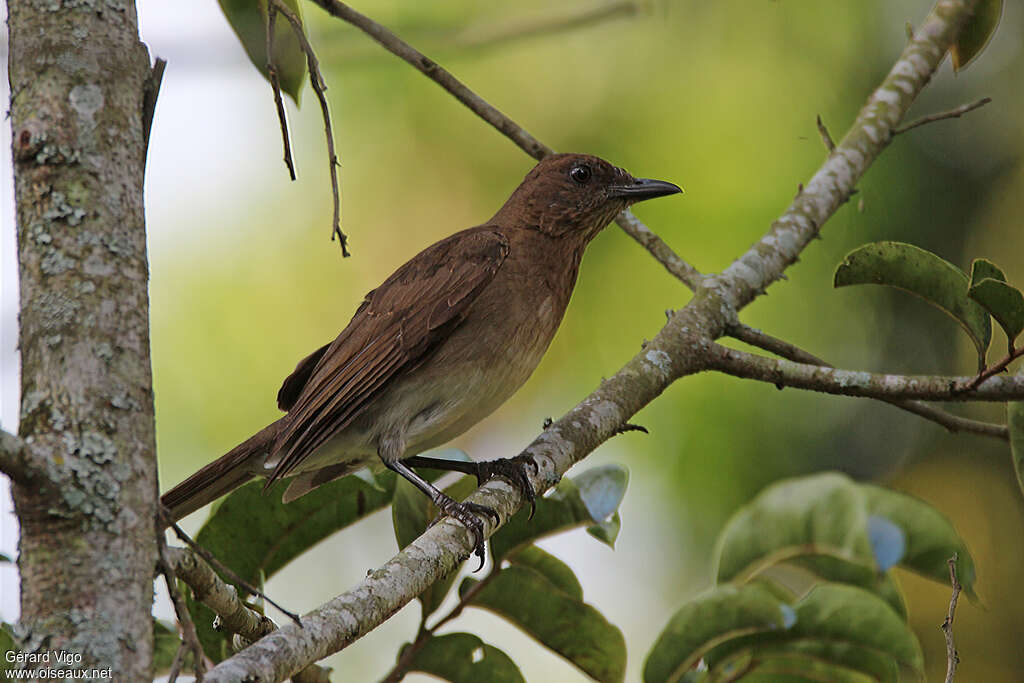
x=718 y=97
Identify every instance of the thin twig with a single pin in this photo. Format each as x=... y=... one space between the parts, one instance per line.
x=439 y=75
x=994 y=370
x=826 y=139
x=224 y=569
x=275 y=85
x=941 y=116
x=235 y=616
x=177 y=662
x=188 y=629
x=952 y=657
x=316 y=80
x=492 y=36
x=953 y=423
x=504 y=125
x=662 y=253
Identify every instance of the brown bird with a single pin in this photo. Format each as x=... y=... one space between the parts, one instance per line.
x=436 y=348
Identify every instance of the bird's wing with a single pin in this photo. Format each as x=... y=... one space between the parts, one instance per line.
x=395 y=329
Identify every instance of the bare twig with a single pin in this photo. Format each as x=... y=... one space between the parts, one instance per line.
x=952 y=657
x=222 y=598
x=941 y=116
x=492 y=36
x=826 y=139
x=316 y=80
x=663 y=253
x=953 y=423
x=188 y=629
x=275 y=85
x=992 y=371
x=785 y=373
x=224 y=569
x=503 y=124
x=439 y=75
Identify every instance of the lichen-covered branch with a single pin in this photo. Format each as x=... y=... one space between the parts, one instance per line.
x=12 y=457
x=954 y=423
x=786 y=373
x=680 y=348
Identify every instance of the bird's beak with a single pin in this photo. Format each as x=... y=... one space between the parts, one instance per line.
x=643 y=188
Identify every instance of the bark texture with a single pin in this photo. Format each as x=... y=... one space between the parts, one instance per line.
x=86 y=498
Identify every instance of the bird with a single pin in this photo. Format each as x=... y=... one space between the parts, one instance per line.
x=436 y=348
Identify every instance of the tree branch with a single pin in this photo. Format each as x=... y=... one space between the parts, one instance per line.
x=941 y=116
x=14 y=461
x=316 y=80
x=953 y=423
x=785 y=373
x=503 y=124
x=952 y=657
x=680 y=348
x=222 y=598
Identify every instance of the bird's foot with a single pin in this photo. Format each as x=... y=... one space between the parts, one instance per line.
x=467 y=514
x=514 y=471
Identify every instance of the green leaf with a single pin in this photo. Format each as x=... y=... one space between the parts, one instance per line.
x=607 y=532
x=464 y=658
x=822 y=514
x=1004 y=302
x=256 y=534
x=411 y=512
x=919 y=272
x=847 y=614
x=248 y=19
x=556 y=619
x=930 y=537
x=982 y=268
x=724 y=613
x=784 y=668
x=1015 y=421
x=165 y=645
x=553 y=569
x=5 y=558
x=565 y=509
x=976 y=33
x=876 y=665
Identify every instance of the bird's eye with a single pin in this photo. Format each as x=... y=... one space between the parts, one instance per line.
x=581 y=174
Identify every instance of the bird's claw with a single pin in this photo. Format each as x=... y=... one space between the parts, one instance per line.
x=466 y=513
x=514 y=471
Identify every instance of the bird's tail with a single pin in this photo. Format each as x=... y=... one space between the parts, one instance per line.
x=221 y=476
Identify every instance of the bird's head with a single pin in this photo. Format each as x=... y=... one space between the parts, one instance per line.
x=576 y=195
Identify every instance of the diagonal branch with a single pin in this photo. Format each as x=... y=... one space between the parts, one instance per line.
x=954 y=423
x=682 y=347
x=503 y=124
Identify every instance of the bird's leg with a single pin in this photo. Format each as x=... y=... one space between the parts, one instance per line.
x=464 y=512
x=511 y=469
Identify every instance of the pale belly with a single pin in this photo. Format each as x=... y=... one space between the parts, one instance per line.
x=426 y=409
